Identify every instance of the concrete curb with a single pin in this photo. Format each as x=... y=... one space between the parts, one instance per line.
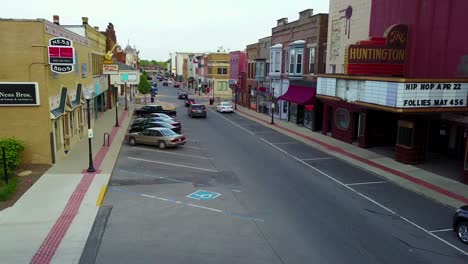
x=415 y=183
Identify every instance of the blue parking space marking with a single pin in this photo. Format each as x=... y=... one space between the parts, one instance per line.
x=202 y=195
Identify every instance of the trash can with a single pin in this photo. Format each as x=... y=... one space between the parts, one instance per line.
x=211 y=101
x=152 y=99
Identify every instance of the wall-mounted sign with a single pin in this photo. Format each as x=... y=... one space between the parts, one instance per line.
x=19 y=94
x=61 y=55
x=379 y=56
x=418 y=95
x=110 y=69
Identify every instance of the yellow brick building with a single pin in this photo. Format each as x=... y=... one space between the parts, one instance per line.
x=53 y=127
x=218 y=74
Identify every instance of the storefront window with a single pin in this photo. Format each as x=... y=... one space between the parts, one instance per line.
x=342 y=119
x=72 y=123
x=57 y=135
x=293 y=113
x=405 y=133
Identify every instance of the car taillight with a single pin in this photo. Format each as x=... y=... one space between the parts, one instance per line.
x=204 y=109
x=193 y=110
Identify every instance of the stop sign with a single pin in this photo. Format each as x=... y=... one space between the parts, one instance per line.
x=208 y=90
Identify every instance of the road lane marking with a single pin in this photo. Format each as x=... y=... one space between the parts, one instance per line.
x=238 y=191
x=184 y=146
x=243 y=128
x=164 y=178
x=178 y=154
x=227 y=213
x=441 y=230
x=172 y=164
x=369 y=199
x=365 y=183
x=317 y=159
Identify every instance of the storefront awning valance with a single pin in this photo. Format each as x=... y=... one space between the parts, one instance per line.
x=299 y=94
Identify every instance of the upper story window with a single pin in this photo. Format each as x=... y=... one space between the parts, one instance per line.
x=296 y=58
x=275 y=59
x=312 y=60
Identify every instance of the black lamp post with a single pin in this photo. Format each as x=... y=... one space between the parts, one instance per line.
x=272 y=107
x=116 y=106
x=126 y=104
x=235 y=99
x=88 y=95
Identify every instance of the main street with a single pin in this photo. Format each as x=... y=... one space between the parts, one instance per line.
x=280 y=201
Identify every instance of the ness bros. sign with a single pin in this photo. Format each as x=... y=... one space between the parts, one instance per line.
x=379 y=56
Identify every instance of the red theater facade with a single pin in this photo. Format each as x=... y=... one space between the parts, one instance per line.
x=405 y=88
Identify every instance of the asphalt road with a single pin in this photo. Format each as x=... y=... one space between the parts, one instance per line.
x=280 y=201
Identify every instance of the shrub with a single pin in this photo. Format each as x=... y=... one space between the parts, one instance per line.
x=13 y=149
x=6 y=191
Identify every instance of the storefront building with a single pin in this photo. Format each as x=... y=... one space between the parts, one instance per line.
x=262 y=68
x=249 y=95
x=218 y=66
x=238 y=63
x=303 y=52
x=34 y=98
x=405 y=88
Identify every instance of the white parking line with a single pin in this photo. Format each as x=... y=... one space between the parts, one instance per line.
x=369 y=199
x=170 y=153
x=173 y=164
x=441 y=230
x=365 y=183
x=317 y=159
x=243 y=128
x=238 y=191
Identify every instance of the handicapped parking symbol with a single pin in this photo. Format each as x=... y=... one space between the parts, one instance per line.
x=203 y=195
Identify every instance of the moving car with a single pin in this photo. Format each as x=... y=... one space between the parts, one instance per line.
x=183 y=95
x=142 y=121
x=148 y=109
x=460 y=223
x=190 y=101
x=157 y=136
x=155 y=124
x=224 y=107
x=197 y=110
x=165 y=83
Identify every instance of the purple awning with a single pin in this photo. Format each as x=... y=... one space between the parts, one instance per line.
x=299 y=94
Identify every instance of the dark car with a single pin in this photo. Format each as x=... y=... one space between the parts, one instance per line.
x=197 y=110
x=154 y=124
x=460 y=223
x=176 y=85
x=190 y=101
x=165 y=83
x=148 y=109
x=183 y=95
x=143 y=120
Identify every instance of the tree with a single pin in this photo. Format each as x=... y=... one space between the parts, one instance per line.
x=144 y=86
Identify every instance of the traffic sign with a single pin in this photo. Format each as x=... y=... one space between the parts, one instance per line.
x=124 y=77
x=203 y=195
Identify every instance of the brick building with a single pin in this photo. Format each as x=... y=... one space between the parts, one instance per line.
x=262 y=66
x=404 y=88
x=238 y=65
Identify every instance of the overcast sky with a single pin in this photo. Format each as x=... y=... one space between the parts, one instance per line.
x=158 y=27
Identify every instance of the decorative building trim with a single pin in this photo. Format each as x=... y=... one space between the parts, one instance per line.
x=58 y=31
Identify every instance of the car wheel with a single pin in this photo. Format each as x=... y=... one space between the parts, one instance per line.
x=462 y=232
x=132 y=141
x=162 y=144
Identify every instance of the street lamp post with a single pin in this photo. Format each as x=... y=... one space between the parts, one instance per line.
x=126 y=104
x=235 y=99
x=131 y=92
x=272 y=107
x=88 y=94
x=116 y=106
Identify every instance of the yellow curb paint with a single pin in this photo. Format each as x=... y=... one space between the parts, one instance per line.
x=101 y=195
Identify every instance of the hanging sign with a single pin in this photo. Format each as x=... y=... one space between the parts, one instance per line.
x=61 y=55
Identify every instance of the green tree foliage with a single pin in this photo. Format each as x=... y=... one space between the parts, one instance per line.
x=13 y=149
x=144 y=86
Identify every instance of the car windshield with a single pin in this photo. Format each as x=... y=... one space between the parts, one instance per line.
x=167 y=132
x=225 y=104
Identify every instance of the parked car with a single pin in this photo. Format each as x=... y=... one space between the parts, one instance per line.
x=155 y=124
x=165 y=83
x=190 y=101
x=197 y=110
x=141 y=121
x=176 y=85
x=157 y=136
x=224 y=107
x=148 y=109
x=183 y=95
x=161 y=115
x=460 y=223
